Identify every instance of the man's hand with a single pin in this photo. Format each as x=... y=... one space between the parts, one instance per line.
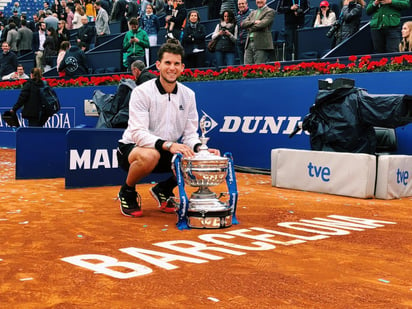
x=183 y=149
x=383 y=2
x=214 y=151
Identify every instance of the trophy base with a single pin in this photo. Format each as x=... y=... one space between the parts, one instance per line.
x=201 y=219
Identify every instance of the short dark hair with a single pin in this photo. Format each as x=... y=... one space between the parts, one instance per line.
x=134 y=21
x=64 y=45
x=138 y=64
x=197 y=13
x=171 y=46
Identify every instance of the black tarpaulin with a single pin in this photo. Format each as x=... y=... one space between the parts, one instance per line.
x=113 y=109
x=343 y=119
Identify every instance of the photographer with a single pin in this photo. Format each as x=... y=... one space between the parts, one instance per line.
x=294 y=11
x=348 y=21
x=226 y=35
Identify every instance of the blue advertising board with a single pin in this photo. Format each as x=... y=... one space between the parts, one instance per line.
x=91 y=159
x=246 y=117
x=71 y=115
x=40 y=153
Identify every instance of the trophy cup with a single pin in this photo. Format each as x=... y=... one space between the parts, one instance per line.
x=204 y=170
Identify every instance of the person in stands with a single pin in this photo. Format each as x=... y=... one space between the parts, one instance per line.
x=244 y=12
x=86 y=33
x=8 y=60
x=406 y=42
x=102 y=20
x=150 y=23
x=349 y=20
x=194 y=42
x=134 y=43
x=19 y=74
x=259 y=42
x=74 y=62
x=294 y=19
x=325 y=16
x=226 y=35
x=385 y=24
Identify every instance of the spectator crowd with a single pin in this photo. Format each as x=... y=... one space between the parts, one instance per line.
x=62 y=31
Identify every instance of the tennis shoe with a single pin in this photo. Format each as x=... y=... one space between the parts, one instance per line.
x=164 y=199
x=130 y=203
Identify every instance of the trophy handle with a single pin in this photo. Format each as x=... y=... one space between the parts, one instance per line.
x=202 y=125
x=203 y=138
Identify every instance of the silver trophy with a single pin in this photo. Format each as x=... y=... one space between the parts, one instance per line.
x=205 y=170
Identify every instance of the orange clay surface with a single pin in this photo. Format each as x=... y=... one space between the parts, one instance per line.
x=42 y=223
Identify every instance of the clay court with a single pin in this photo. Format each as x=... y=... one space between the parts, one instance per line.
x=363 y=265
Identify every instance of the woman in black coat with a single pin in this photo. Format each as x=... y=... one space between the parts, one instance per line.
x=62 y=33
x=350 y=17
x=193 y=41
x=51 y=48
x=29 y=99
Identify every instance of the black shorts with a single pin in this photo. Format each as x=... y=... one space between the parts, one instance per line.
x=163 y=166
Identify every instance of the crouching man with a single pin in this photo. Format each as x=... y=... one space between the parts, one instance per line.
x=163 y=121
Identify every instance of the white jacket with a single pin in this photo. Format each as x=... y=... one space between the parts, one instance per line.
x=155 y=114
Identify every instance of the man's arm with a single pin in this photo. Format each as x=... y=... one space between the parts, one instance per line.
x=143 y=39
x=249 y=21
x=265 y=21
x=126 y=41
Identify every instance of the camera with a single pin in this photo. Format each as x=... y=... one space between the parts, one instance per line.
x=335 y=27
x=299 y=11
x=223 y=28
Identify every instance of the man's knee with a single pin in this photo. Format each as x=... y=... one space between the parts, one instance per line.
x=147 y=158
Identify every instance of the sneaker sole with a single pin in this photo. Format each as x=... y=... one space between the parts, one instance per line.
x=168 y=210
x=135 y=214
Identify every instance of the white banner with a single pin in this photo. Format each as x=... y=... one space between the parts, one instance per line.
x=394 y=176
x=338 y=173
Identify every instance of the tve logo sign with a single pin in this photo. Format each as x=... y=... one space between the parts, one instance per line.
x=319 y=172
x=402 y=177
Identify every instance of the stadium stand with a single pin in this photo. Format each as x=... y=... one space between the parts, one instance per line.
x=29 y=7
x=106 y=56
